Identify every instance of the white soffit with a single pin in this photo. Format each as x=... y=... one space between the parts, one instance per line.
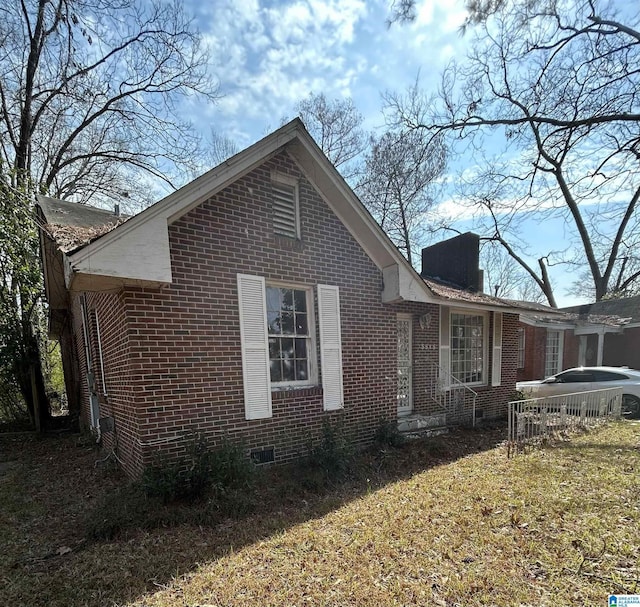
x=132 y=255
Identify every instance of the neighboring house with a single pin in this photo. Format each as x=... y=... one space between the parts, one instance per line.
x=253 y=304
x=601 y=333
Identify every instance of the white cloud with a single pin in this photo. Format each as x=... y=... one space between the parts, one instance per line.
x=445 y=15
x=269 y=57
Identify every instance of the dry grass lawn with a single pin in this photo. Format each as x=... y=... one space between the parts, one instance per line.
x=446 y=522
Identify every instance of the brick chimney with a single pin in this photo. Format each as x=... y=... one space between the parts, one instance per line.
x=454 y=261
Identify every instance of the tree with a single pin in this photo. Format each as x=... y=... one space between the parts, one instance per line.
x=90 y=91
x=90 y=105
x=503 y=277
x=336 y=127
x=20 y=314
x=399 y=171
x=220 y=148
x=559 y=83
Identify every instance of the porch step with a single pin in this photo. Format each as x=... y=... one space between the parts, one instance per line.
x=417 y=421
x=420 y=426
x=427 y=433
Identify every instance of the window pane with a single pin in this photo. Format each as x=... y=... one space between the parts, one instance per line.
x=273 y=299
x=273 y=319
x=286 y=345
x=286 y=321
x=300 y=300
x=274 y=348
x=288 y=369
x=276 y=370
x=467 y=347
x=521 y=348
x=302 y=373
x=301 y=348
x=608 y=376
x=287 y=317
x=301 y=324
x=286 y=311
x=287 y=299
x=575 y=377
x=552 y=359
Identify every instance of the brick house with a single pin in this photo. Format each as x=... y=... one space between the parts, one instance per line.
x=256 y=302
x=604 y=333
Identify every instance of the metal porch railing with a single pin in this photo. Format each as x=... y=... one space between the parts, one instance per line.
x=453 y=396
x=534 y=419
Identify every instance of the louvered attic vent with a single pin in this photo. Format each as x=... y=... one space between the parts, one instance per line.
x=285 y=216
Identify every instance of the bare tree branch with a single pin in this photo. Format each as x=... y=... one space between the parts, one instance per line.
x=562 y=89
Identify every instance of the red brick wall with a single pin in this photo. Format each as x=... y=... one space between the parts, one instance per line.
x=492 y=401
x=571 y=346
x=425 y=352
x=172 y=356
x=622 y=349
x=535 y=353
x=184 y=339
x=425 y=342
x=121 y=391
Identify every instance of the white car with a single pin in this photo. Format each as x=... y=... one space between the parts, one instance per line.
x=590 y=378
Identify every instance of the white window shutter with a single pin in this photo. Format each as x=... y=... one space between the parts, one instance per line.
x=445 y=349
x=330 y=347
x=255 y=346
x=496 y=368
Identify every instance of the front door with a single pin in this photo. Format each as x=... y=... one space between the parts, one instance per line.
x=405 y=388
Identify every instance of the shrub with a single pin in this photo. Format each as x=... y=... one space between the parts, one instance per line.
x=388 y=435
x=230 y=469
x=221 y=470
x=332 y=456
x=161 y=497
x=164 y=481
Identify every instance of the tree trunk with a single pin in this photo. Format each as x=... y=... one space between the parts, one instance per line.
x=23 y=372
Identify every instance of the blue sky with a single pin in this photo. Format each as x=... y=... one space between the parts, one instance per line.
x=268 y=55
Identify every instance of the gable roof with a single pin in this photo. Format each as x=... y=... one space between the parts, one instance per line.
x=136 y=252
x=74 y=225
x=457 y=294
x=603 y=315
x=627 y=307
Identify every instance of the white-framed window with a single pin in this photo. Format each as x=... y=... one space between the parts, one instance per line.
x=521 y=347
x=291 y=335
x=277 y=340
x=553 y=352
x=286 y=215
x=468 y=346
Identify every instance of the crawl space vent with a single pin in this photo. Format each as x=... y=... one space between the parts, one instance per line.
x=263 y=456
